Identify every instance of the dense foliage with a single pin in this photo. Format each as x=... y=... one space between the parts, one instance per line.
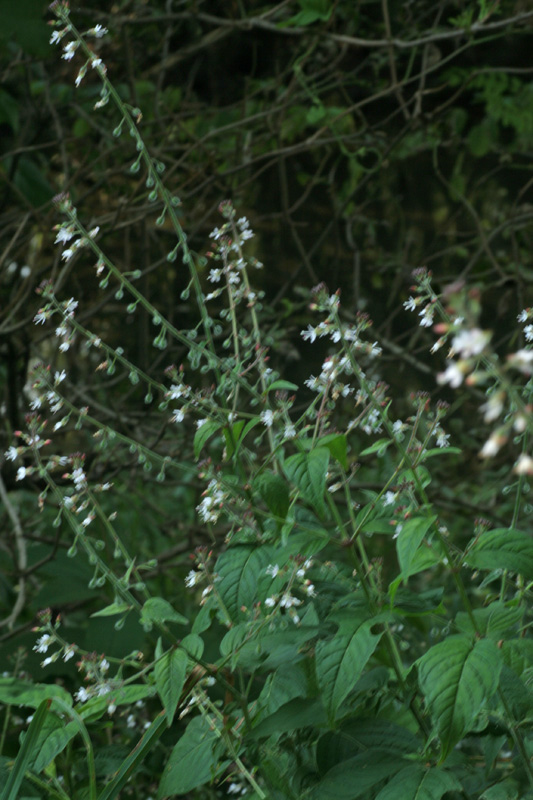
x=257 y=544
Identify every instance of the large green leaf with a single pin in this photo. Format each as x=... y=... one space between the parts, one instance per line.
x=169 y=672
x=409 y=540
x=274 y=491
x=308 y=472
x=195 y=760
x=457 y=677
x=355 y=777
x=240 y=570
x=341 y=659
x=15 y=691
x=503 y=548
x=416 y=782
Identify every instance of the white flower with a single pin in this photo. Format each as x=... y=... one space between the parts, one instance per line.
x=493 y=407
x=79 y=478
x=12 y=453
x=69 y=653
x=192 y=579
x=21 y=473
x=270 y=602
x=104 y=665
x=69 y=50
x=43 y=643
x=214 y=275
x=411 y=304
x=289 y=432
x=68 y=253
x=59 y=377
x=98 y=31
x=272 y=569
x=492 y=445
x=524 y=465
x=427 y=316
x=267 y=417
x=442 y=439
x=131 y=722
x=40 y=318
x=452 y=375
x=523 y=360
x=200 y=422
x=310 y=590
x=82 y=695
x=63 y=347
x=71 y=306
x=56 y=37
x=177 y=390
x=523 y=316
x=309 y=335
x=96 y=62
x=178 y=416
x=48 y=660
x=528 y=333
x=389 y=498
x=36 y=403
x=64 y=235
x=287 y=600
x=470 y=343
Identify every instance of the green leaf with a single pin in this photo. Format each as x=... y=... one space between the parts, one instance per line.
x=231 y=435
x=274 y=491
x=495 y=620
x=308 y=472
x=53 y=738
x=112 y=609
x=156 y=609
x=137 y=755
x=169 y=672
x=356 y=776
x=508 y=789
x=340 y=660
x=337 y=445
x=204 y=433
x=194 y=645
x=416 y=782
x=194 y=761
x=241 y=569
x=285 y=684
x=277 y=385
x=378 y=447
x=409 y=540
x=26 y=752
x=503 y=548
x=457 y=677
x=298 y=713
x=14 y=691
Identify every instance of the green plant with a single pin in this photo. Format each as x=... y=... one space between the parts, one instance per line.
x=344 y=638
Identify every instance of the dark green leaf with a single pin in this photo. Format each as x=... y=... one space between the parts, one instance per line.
x=308 y=472
x=416 y=782
x=194 y=761
x=503 y=548
x=156 y=609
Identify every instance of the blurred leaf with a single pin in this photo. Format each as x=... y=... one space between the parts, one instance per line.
x=169 y=673
x=194 y=761
x=308 y=472
x=503 y=548
x=416 y=782
x=156 y=609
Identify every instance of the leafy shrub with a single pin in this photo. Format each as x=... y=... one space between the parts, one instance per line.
x=342 y=636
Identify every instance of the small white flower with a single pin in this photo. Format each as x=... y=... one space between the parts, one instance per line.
x=98 y=31
x=71 y=306
x=69 y=653
x=12 y=453
x=200 y=422
x=289 y=432
x=309 y=335
x=523 y=316
x=131 y=722
x=59 y=377
x=63 y=347
x=411 y=304
x=56 y=37
x=470 y=343
x=178 y=415
x=270 y=602
x=528 y=333
x=68 y=253
x=40 y=318
x=43 y=643
x=389 y=498
x=96 y=62
x=452 y=375
x=82 y=695
x=267 y=417
x=192 y=579
x=427 y=316
x=272 y=569
x=47 y=661
x=21 y=473
x=443 y=439
x=69 y=50
x=36 y=403
x=524 y=465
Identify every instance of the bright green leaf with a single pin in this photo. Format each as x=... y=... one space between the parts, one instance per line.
x=156 y=609
x=169 y=672
x=457 y=677
x=204 y=433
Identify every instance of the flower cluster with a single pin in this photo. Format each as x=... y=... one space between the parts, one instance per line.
x=285 y=580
